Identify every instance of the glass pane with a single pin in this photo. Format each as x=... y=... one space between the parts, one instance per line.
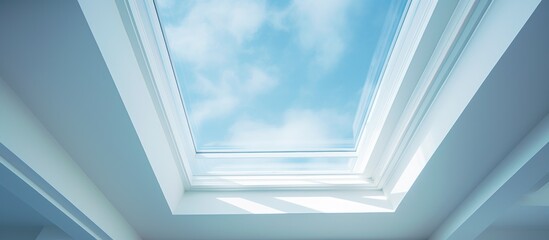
x=271 y=166
x=278 y=75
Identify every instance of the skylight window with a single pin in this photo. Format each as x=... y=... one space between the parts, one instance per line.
x=320 y=100
x=278 y=76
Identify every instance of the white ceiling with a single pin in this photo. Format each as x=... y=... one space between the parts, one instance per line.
x=50 y=59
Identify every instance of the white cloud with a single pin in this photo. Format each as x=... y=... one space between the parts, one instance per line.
x=211 y=38
x=321 y=28
x=258 y=82
x=212 y=31
x=164 y=4
x=244 y=18
x=300 y=128
x=220 y=98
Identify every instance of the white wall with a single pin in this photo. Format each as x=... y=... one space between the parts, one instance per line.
x=23 y=134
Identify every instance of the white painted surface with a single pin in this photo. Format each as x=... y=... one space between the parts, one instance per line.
x=52 y=233
x=109 y=32
x=26 y=137
x=524 y=166
x=19 y=233
x=514 y=234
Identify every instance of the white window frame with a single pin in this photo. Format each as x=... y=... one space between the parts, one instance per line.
x=366 y=168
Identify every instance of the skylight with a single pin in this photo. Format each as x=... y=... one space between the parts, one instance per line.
x=409 y=64
x=278 y=76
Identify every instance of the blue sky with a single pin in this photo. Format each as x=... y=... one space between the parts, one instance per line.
x=276 y=75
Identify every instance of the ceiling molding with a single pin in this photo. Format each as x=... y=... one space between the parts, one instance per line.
x=38 y=193
x=524 y=166
x=36 y=169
